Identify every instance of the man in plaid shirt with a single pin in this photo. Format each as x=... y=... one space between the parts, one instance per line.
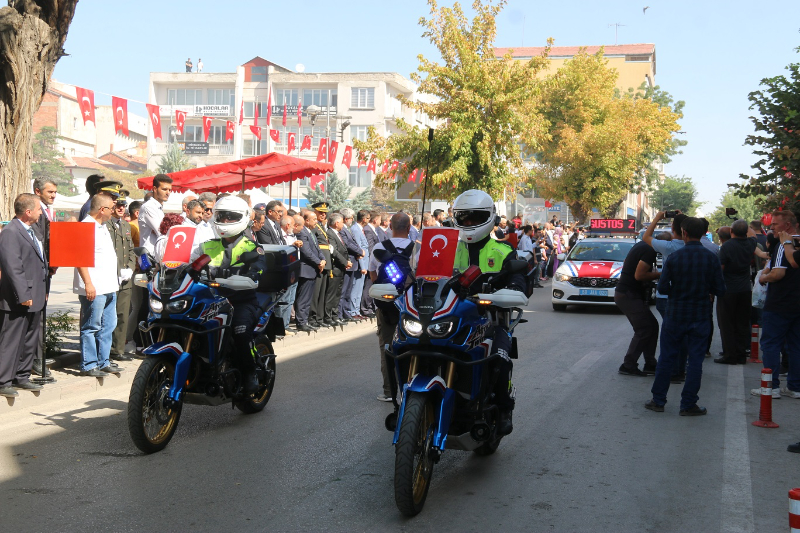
x=690 y=276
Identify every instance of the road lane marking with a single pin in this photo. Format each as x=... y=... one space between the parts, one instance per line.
x=737 y=494
x=580 y=367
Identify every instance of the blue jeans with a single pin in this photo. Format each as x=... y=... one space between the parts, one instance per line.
x=680 y=362
x=776 y=329
x=355 y=294
x=285 y=312
x=98 y=320
x=673 y=335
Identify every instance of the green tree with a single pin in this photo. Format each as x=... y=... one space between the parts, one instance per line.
x=747 y=207
x=338 y=193
x=174 y=160
x=599 y=145
x=486 y=108
x=776 y=142
x=676 y=193
x=45 y=162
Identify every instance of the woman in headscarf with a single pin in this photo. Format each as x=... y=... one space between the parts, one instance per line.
x=558 y=243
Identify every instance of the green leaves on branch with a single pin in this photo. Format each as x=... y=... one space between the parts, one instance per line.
x=676 y=193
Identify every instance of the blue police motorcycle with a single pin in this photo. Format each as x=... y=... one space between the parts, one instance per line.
x=191 y=361
x=442 y=353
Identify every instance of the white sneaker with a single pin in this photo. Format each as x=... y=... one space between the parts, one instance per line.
x=289 y=333
x=130 y=347
x=384 y=398
x=790 y=393
x=776 y=393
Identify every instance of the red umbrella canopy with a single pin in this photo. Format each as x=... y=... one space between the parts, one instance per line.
x=259 y=171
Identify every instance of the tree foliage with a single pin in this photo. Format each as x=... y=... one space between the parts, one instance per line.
x=676 y=193
x=599 y=145
x=174 y=160
x=776 y=142
x=484 y=107
x=748 y=208
x=45 y=161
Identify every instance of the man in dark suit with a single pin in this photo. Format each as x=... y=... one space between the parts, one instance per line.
x=121 y=236
x=346 y=311
x=340 y=264
x=318 y=305
x=46 y=190
x=367 y=305
x=311 y=265
x=270 y=233
x=22 y=296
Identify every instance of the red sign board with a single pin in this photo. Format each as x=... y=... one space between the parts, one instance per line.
x=612 y=225
x=71 y=244
x=437 y=251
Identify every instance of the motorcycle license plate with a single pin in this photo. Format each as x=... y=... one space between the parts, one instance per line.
x=593 y=292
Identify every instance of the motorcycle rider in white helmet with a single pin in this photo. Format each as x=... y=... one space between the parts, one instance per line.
x=230 y=218
x=474 y=214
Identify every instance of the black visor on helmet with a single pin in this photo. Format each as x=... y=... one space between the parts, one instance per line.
x=227 y=216
x=467 y=218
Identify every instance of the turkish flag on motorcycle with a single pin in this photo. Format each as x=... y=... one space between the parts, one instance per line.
x=179 y=244
x=120 y=107
x=437 y=252
x=86 y=103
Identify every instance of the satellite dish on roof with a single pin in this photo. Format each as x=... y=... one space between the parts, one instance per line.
x=300 y=67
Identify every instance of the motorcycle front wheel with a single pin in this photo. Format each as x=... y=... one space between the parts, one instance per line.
x=150 y=423
x=413 y=466
x=261 y=397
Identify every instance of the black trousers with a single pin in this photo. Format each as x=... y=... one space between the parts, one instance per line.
x=386 y=329
x=501 y=344
x=302 y=303
x=645 y=329
x=367 y=304
x=344 y=297
x=334 y=294
x=244 y=320
x=733 y=316
x=318 y=304
x=20 y=336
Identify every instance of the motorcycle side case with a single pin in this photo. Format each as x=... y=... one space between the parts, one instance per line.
x=283 y=268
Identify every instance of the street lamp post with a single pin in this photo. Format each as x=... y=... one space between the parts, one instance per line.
x=313 y=113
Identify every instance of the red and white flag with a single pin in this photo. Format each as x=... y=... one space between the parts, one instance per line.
x=323 y=149
x=437 y=252
x=255 y=114
x=371 y=166
x=332 y=150
x=385 y=167
x=361 y=161
x=86 y=103
x=290 y=140
x=241 y=112
x=269 y=107
x=120 y=107
x=306 y=145
x=256 y=131
x=275 y=135
x=206 y=127
x=285 y=112
x=155 y=119
x=300 y=113
x=393 y=168
x=347 y=156
x=314 y=180
x=180 y=120
x=229 y=129
x=412 y=178
x=179 y=244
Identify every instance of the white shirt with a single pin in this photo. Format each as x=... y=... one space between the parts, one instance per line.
x=27 y=228
x=199 y=66
x=150 y=216
x=399 y=243
x=288 y=238
x=103 y=275
x=525 y=244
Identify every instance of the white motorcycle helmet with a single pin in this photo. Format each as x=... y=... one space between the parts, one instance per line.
x=474 y=214
x=231 y=216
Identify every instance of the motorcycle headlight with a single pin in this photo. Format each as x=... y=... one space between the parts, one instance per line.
x=562 y=277
x=178 y=306
x=412 y=327
x=441 y=329
x=156 y=306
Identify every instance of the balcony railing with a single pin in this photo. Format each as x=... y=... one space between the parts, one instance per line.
x=160 y=148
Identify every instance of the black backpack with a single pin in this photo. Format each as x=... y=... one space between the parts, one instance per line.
x=395 y=269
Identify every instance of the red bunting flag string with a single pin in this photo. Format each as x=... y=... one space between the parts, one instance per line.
x=120 y=108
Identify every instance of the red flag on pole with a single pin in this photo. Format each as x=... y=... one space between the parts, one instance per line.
x=206 y=127
x=290 y=142
x=269 y=107
x=437 y=251
x=547 y=203
x=347 y=156
x=394 y=166
x=179 y=244
x=285 y=111
x=332 y=149
x=314 y=180
x=86 y=103
x=229 y=130
x=255 y=114
x=241 y=111
x=306 y=143
x=412 y=178
x=323 y=149
x=256 y=131
x=275 y=135
x=371 y=166
x=300 y=113
x=385 y=167
x=155 y=119
x=361 y=160
x=120 y=106
x=180 y=120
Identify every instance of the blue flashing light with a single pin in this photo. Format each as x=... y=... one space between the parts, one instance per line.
x=144 y=263
x=394 y=273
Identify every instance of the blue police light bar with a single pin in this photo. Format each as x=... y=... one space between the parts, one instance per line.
x=394 y=273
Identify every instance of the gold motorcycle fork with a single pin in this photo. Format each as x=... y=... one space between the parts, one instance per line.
x=412 y=368
x=451 y=374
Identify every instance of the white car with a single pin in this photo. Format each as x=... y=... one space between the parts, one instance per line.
x=589 y=273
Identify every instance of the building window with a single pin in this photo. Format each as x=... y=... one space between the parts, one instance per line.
x=362 y=98
x=287 y=96
x=221 y=97
x=253 y=147
x=358 y=133
x=185 y=96
x=248 y=109
x=190 y=133
x=284 y=137
x=638 y=58
x=216 y=136
x=320 y=97
x=357 y=177
x=258 y=73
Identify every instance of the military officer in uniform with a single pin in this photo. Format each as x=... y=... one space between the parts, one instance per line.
x=318 y=317
x=122 y=237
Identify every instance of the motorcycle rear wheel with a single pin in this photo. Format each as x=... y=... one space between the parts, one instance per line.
x=413 y=466
x=259 y=400
x=150 y=423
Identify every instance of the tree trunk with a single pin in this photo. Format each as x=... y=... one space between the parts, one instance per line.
x=32 y=35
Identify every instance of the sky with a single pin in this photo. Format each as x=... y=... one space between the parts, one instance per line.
x=709 y=53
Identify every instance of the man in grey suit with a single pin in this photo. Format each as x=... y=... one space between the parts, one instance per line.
x=46 y=189
x=340 y=263
x=347 y=312
x=311 y=265
x=22 y=296
x=357 y=229
x=370 y=232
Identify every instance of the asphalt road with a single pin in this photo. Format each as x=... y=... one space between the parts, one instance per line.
x=584 y=456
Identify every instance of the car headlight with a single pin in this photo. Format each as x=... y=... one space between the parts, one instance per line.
x=441 y=329
x=178 y=306
x=412 y=327
x=156 y=306
x=562 y=277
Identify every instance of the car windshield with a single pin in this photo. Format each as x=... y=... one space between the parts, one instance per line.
x=600 y=251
